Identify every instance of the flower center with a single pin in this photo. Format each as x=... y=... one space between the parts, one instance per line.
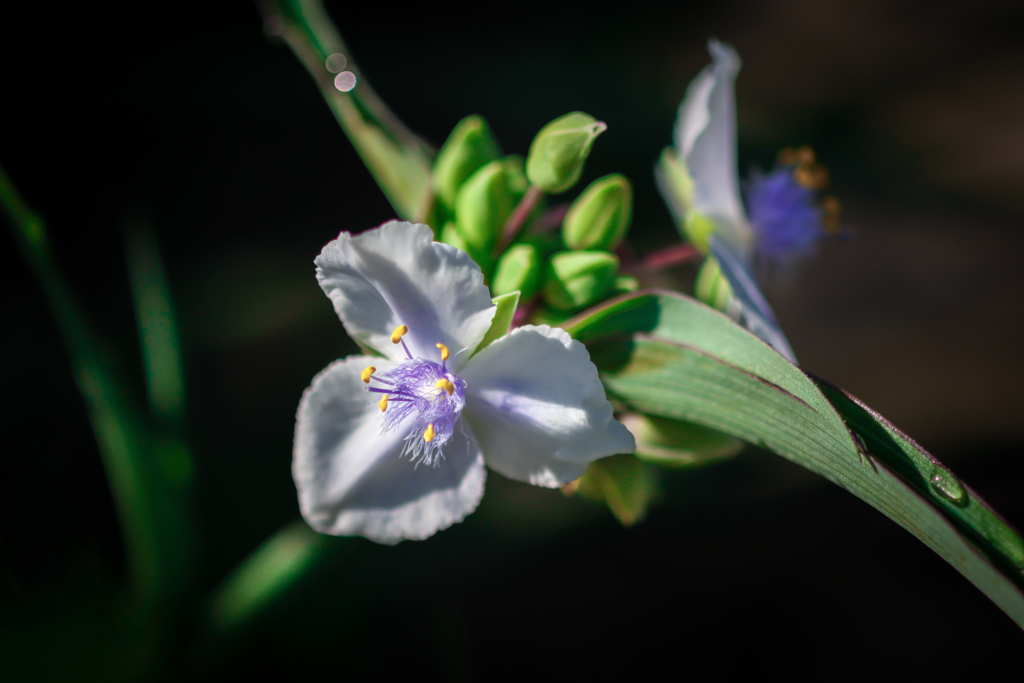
x=783 y=208
x=422 y=396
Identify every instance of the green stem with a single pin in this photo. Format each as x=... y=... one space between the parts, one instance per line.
x=398 y=159
x=518 y=218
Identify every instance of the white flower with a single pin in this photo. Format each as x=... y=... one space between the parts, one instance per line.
x=700 y=184
x=529 y=405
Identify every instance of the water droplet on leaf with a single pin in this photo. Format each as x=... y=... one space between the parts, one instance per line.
x=946 y=485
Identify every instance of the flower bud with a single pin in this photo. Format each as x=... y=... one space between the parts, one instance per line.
x=450 y=235
x=469 y=147
x=577 y=278
x=518 y=269
x=626 y=283
x=627 y=485
x=517 y=182
x=599 y=217
x=482 y=206
x=559 y=150
x=711 y=286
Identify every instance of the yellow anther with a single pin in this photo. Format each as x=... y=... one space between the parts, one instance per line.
x=811 y=175
x=383 y=403
x=446 y=385
x=365 y=374
x=399 y=332
x=444 y=353
x=830 y=207
x=428 y=433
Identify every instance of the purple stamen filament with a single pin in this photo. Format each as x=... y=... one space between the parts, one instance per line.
x=421 y=396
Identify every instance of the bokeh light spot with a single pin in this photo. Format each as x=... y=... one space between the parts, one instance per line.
x=345 y=81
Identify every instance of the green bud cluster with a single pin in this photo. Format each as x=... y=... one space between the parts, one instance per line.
x=477 y=192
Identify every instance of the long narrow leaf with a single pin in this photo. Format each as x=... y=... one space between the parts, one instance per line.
x=158 y=330
x=288 y=557
x=664 y=354
x=151 y=509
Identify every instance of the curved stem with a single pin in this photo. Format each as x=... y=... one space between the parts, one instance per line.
x=518 y=218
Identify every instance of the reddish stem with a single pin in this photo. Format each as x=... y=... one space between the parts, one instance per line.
x=675 y=255
x=518 y=218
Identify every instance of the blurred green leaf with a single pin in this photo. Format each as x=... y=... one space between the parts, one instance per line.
x=273 y=569
x=663 y=354
x=151 y=506
x=398 y=159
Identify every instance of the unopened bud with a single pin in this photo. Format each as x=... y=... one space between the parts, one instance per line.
x=469 y=147
x=626 y=283
x=711 y=286
x=518 y=270
x=518 y=184
x=599 y=217
x=559 y=150
x=482 y=206
x=450 y=235
x=577 y=278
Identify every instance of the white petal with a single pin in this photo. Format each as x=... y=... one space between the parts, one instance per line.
x=536 y=405
x=752 y=310
x=705 y=136
x=397 y=275
x=351 y=479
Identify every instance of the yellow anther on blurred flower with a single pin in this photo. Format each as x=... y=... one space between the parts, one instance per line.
x=399 y=332
x=446 y=385
x=444 y=353
x=831 y=208
x=811 y=175
x=428 y=433
x=366 y=373
x=383 y=403
x=808 y=172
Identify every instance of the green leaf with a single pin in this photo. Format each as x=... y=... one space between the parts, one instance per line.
x=663 y=354
x=158 y=330
x=502 y=321
x=268 y=574
x=928 y=476
x=150 y=496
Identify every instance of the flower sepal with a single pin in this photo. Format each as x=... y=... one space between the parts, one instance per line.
x=627 y=485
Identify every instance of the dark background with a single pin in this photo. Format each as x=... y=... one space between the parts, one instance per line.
x=191 y=115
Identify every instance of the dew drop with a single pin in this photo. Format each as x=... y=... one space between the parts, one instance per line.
x=345 y=81
x=336 y=63
x=946 y=485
